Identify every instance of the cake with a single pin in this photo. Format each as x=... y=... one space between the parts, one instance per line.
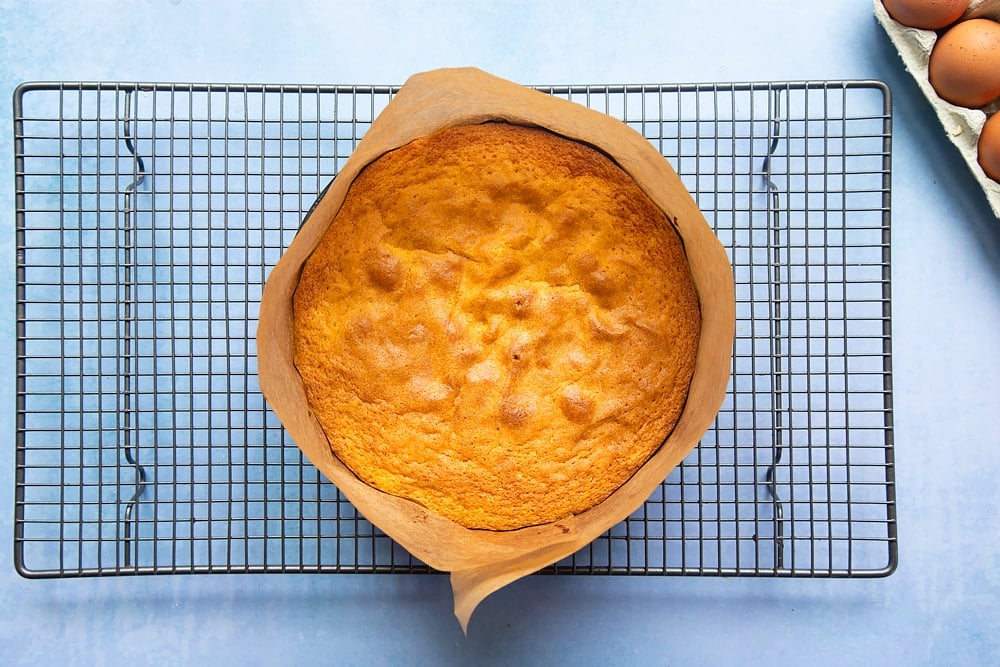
x=498 y=324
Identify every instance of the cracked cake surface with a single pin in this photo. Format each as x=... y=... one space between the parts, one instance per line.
x=498 y=324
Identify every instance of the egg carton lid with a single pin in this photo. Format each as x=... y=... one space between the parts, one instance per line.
x=962 y=125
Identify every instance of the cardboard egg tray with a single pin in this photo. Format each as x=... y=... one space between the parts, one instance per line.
x=962 y=125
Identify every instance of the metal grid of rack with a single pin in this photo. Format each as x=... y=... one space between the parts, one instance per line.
x=148 y=216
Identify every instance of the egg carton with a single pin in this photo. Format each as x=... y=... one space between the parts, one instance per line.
x=962 y=125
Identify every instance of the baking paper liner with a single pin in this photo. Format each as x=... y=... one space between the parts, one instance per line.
x=482 y=561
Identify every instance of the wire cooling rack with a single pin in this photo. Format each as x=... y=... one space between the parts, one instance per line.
x=149 y=215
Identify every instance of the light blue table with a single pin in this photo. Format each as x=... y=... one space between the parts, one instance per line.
x=942 y=606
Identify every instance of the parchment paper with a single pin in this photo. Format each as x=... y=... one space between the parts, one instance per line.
x=482 y=561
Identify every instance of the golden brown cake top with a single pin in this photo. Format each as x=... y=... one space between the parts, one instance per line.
x=499 y=325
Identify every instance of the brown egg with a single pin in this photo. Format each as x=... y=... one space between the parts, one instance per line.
x=964 y=66
x=926 y=14
x=989 y=147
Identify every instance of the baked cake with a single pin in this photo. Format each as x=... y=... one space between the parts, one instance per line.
x=498 y=325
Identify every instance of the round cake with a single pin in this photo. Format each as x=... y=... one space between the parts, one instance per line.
x=498 y=324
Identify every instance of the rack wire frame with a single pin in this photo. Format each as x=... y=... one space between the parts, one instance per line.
x=148 y=217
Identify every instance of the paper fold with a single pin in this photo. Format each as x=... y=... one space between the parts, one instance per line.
x=482 y=561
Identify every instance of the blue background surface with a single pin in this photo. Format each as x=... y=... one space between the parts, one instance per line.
x=942 y=606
